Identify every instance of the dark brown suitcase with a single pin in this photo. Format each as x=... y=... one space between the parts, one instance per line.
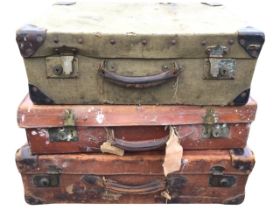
x=210 y=176
x=84 y=128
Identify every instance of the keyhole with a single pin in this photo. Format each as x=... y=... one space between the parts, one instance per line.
x=224 y=182
x=216 y=134
x=57 y=70
x=44 y=182
x=223 y=72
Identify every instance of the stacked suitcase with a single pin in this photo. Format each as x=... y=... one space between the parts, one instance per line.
x=137 y=103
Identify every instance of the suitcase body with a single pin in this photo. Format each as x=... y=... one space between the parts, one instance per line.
x=85 y=128
x=205 y=177
x=96 y=54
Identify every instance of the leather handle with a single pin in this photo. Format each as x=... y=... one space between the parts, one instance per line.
x=144 y=145
x=139 y=81
x=151 y=187
x=114 y=186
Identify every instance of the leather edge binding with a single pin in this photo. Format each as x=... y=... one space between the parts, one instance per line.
x=38 y=97
x=32 y=201
x=235 y=200
x=251 y=40
x=241 y=99
x=29 y=39
x=24 y=158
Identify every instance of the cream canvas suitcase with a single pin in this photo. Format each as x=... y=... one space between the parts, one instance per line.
x=156 y=53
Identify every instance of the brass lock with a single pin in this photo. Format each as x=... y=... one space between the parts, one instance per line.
x=62 y=66
x=217 y=67
x=215 y=131
x=64 y=134
x=217 y=178
x=46 y=180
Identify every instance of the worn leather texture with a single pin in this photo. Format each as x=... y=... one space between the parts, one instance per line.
x=211 y=176
x=133 y=128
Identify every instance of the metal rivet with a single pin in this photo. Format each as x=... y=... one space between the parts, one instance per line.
x=56 y=40
x=21 y=45
x=173 y=42
x=242 y=41
x=144 y=42
x=241 y=167
x=34 y=89
x=112 y=41
x=39 y=38
x=231 y=41
x=243 y=95
x=203 y=43
x=80 y=40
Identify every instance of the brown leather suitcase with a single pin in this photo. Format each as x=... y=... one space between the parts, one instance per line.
x=210 y=176
x=85 y=128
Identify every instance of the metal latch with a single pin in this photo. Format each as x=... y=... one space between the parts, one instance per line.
x=63 y=65
x=217 y=67
x=218 y=179
x=46 y=180
x=68 y=132
x=215 y=131
x=64 y=134
x=69 y=118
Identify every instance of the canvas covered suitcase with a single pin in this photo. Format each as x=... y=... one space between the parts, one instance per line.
x=211 y=176
x=163 y=53
x=85 y=128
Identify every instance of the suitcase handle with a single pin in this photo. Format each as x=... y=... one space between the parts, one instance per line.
x=140 y=145
x=139 y=81
x=114 y=186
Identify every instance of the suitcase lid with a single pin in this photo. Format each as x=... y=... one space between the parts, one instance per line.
x=46 y=116
x=237 y=161
x=137 y=30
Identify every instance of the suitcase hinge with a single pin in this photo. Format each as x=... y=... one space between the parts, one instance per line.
x=241 y=159
x=217 y=177
x=216 y=67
